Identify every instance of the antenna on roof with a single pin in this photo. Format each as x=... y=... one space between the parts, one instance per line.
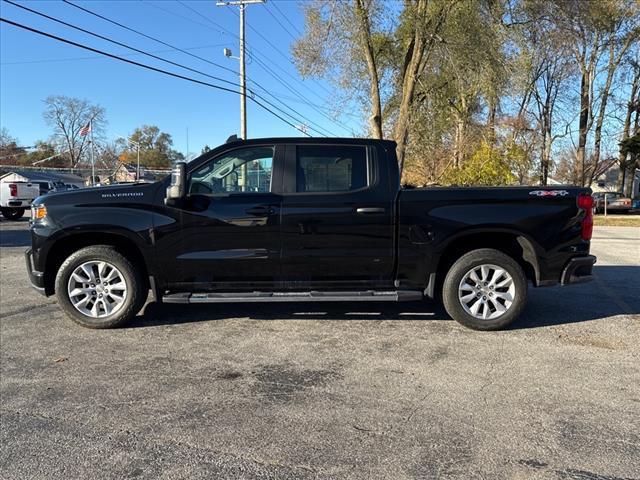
x=232 y=138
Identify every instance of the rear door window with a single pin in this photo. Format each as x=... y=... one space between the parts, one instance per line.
x=329 y=168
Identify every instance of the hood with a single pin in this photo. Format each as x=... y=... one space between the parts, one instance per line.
x=128 y=192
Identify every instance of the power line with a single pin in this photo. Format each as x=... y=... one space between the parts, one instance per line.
x=220 y=29
x=148 y=67
x=289 y=87
x=258 y=60
x=102 y=37
x=223 y=30
x=304 y=120
x=148 y=36
x=280 y=23
x=280 y=79
x=275 y=5
x=285 y=105
x=93 y=57
x=283 y=55
x=146 y=53
x=284 y=96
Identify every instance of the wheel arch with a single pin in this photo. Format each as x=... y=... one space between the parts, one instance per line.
x=515 y=244
x=66 y=245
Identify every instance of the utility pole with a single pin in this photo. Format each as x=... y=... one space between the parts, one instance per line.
x=137 y=145
x=138 y=167
x=93 y=162
x=242 y=5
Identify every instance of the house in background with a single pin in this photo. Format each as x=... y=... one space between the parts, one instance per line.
x=126 y=172
x=608 y=181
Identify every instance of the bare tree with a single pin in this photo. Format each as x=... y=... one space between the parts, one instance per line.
x=425 y=20
x=625 y=159
x=621 y=38
x=366 y=44
x=358 y=45
x=68 y=116
x=596 y=29
x=544 y=54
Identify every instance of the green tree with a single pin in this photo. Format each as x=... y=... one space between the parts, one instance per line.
x=487 y=166
x=155 y=148
x=10 y=151
x=48 y=152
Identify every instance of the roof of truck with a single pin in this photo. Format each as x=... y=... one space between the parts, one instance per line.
x=312 y=140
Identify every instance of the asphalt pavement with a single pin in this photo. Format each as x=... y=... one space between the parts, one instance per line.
x=326 y=391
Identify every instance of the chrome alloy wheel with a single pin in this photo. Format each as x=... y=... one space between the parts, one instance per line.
x=97 y=289
x=486 y=292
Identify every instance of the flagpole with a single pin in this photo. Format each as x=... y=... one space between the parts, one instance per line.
x=93 y=163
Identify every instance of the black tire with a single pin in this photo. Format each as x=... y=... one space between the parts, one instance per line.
x=13 y=213
x=137 y=288
x=458 y=271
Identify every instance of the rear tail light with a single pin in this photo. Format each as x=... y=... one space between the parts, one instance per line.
x=13 y=190
x=585 y=202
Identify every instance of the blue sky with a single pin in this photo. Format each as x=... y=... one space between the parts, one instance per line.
x=34 y=67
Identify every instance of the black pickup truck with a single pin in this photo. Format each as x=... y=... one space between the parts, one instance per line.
x=291 y=219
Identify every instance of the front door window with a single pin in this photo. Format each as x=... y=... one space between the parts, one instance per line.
x=244 y=170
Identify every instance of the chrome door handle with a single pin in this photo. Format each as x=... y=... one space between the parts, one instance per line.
x=369 y=210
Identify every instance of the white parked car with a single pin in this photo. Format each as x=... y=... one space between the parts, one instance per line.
x=16 y=197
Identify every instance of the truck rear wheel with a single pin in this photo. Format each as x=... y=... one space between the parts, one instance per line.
x=98 y=287
x=12 y=213
x=485 y=289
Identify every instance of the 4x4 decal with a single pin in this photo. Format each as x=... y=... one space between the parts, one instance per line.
x=549 y=193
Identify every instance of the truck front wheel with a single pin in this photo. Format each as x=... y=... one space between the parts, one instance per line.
x=98 y=287
x=485 y=289
x=12 y=213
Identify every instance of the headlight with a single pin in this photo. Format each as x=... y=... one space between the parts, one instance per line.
x=38 y=212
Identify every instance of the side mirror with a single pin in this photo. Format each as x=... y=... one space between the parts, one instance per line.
x=176 y=191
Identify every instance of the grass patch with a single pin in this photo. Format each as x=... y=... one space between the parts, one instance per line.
x=616 y=221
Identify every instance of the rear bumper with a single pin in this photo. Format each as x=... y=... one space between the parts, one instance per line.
x=18 y=204
x=35 y=278
x=578 y=270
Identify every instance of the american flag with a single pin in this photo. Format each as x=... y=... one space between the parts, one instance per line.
x=86 y=130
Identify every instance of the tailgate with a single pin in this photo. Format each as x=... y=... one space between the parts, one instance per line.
x=28 y=191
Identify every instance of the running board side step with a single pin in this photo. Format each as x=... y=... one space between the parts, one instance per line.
x=365 y=296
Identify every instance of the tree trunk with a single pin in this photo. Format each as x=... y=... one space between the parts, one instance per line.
x=460 y=130
x=632 y=105
x=614 y=61
x=546 y=152
x=585 y=105
x=634 y=161
x=588 y=60
x=408 y=89
x=414 y=62
x=547 y=139
x=458 y=142
x=491 y=121
x=374 y=95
